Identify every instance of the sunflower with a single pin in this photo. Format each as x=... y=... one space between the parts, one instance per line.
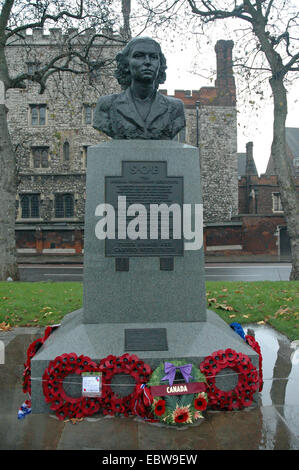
x=182 y=414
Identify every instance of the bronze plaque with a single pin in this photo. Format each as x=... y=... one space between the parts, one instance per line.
x=146 y=339
x=144 y=183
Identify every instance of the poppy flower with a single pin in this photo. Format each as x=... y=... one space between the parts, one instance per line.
x=243 y=359
x=182 y=415
x=219 y=356
x=159 y=408
x=88 y=406
x=137 y=378
x=117 y=405
x=108 y=362
x=233 y=403
x=144 y=369
x=57 y=403
x=200 y=403
x=246 y=400
x=125 y=357
x=63 y=412
x=230 y=355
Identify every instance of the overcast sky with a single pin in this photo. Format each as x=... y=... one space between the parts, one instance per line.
x=191 y=61
x=254 y=125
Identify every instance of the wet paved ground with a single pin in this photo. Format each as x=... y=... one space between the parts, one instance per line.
x=273 y=423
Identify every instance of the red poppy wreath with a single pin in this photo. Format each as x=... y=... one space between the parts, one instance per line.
x=125 y=364
x=31 y=351
x=251 y=341
x=248 y=381
x=64 y=405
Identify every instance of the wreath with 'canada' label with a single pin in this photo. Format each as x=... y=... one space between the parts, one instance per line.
x=179 y=393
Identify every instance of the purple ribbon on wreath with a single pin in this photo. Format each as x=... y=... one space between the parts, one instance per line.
x=170 y=370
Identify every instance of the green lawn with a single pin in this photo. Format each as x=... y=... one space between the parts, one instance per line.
x=45 y=303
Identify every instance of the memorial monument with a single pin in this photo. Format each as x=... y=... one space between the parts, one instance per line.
x=144 y=283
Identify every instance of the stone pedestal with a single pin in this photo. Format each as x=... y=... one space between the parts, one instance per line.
x=153 y=304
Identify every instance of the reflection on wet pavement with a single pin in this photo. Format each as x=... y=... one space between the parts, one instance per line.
x=272 y=423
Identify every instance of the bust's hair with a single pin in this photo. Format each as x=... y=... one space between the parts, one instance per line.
x=122 y=72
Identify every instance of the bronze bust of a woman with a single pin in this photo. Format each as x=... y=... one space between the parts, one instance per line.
x=140 y=112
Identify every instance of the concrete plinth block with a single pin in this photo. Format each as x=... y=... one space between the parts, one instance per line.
x=189 y=341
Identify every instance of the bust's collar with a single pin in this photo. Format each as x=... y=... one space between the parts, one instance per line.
x=125 y=106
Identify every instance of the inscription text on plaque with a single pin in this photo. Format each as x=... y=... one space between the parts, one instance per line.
x=145 y=183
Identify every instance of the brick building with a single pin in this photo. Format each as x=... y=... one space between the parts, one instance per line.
x=259 y=201
x=51 y=134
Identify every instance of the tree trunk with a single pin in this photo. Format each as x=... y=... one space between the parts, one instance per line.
x=282 y=167
x=8 y=258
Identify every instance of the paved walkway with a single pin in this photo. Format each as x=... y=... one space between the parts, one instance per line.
x=273 y=423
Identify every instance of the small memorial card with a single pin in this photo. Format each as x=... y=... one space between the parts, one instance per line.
x=91 y=384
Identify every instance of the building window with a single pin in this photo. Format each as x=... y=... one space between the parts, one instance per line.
x=276 y=204
x=95 y=71
x=66 y=152
x=29 y=206
x=88 y=113
x=84 y=155
x=38 y=114
x=32 y=67
x=296 y=162
x=64 y=206
x=40 y=157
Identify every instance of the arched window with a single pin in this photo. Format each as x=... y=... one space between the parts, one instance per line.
x=66 y=151
x=30 y=206
x=64 y=205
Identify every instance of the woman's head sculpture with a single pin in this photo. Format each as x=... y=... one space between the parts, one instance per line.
x=122 y=72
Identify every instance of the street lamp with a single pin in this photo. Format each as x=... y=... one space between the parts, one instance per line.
x=197 y=103
x=256 y=191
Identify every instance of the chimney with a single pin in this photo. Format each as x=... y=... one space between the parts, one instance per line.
x=225 y=82
x=250 y=164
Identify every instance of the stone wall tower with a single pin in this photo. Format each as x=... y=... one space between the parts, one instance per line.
x=218 y=140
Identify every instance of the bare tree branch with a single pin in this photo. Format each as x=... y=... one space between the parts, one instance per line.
x=45 y=17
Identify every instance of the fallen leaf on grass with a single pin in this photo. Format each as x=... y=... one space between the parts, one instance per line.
x=282 y=311
x=5 y=326
x=47 y=313
x=261 y=322
x=213 y=300
x=232 y=316
x=246 y=316
x=225 y=307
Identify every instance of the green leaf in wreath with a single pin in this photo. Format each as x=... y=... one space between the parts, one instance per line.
x=186 y=399
x=171 y=402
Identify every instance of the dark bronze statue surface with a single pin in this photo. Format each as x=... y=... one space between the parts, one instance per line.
x=140 y=112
